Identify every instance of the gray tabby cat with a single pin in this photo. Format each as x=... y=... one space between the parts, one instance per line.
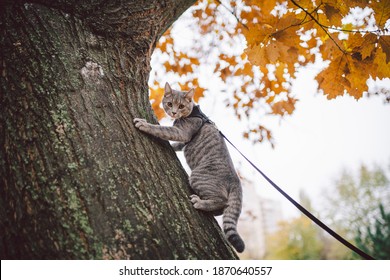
x=213 y=178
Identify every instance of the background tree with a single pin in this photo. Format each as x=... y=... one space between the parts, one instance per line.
x=297 y=239
x=357 y=199
x=351 y=209
x=376 y=240
x=77 y=180
x=256 y=49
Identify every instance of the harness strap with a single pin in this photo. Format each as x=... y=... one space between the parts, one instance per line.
x=197 y=113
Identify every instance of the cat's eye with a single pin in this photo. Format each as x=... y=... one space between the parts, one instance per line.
x=169 y=104
x=181 y=106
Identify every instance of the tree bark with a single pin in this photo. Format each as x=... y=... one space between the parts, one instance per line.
x=78 y=181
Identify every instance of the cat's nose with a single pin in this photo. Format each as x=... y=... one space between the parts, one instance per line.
x=173 y=113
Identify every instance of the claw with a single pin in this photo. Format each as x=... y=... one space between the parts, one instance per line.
x=140 y=123
x=194 y=198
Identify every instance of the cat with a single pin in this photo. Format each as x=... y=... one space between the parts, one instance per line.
x=213 y=178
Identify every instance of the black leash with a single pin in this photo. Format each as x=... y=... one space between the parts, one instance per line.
x=303 y=209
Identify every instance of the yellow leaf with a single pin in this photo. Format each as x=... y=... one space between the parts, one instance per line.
x=288 y=36
x=284 y=107
x=368 y=46
x=364 y=45
x=257 y=33
x=331 y=80
x=334 y=15
x=382 y=68
x=381 y=12
x=266 y=6
x=245 y=70
x=270 y=99
x=156 y=95
x=359 y=72
x=306 y=4
x=199 y=92
x=289 y=22
x=276 y=50
x=335 y=10
x=279 y=73
x=257 y=55
x=384 y=43
x=329 y=49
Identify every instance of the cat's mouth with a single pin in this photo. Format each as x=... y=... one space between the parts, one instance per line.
x=174 y=116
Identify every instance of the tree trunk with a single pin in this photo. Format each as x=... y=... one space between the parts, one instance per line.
x=78 y=181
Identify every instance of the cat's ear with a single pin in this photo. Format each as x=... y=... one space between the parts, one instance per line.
x=190 y=94
x=167 y=89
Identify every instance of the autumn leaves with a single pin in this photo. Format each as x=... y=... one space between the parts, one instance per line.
x=352 y=37
x=353 y=58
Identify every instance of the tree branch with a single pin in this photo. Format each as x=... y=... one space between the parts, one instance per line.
x=233 y=13
x=324 y=28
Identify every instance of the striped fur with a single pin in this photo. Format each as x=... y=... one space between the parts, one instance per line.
x=213 y=178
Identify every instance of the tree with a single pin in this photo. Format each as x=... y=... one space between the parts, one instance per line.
x=357 y=199
x=376 y=240
x=351 y=208
x=298 y=238
x=78 y=181
x=256 y=48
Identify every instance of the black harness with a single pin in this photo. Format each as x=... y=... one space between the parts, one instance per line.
x=197 y=113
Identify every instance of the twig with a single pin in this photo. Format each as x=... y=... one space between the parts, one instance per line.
x=320 y=24
x=325 y=27
x=233 y=13
x=359 y=31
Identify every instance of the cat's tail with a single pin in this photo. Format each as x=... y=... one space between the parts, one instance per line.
x=230 y=218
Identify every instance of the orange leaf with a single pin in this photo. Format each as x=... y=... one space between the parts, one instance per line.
x=382 y=68
x=381 y=12
x=384 y=43
x=257 y=55
x=331 y=80
x=257 y=33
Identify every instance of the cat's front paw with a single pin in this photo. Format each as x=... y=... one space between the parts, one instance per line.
x=141 y=124
x=195 y=200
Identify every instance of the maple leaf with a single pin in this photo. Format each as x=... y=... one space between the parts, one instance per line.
x=284 y=106
x=333 y=14
x=257 y=33
x=257 y=55
x=383 y=68
x=358 y=73
x=156 y=96
x=381 y=12
x=384 y=43
x=335 y=11
x=332 y=80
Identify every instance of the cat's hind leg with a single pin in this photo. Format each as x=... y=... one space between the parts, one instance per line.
x=209 y=205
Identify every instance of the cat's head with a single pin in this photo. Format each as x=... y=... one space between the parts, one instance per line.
x=177 y=104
